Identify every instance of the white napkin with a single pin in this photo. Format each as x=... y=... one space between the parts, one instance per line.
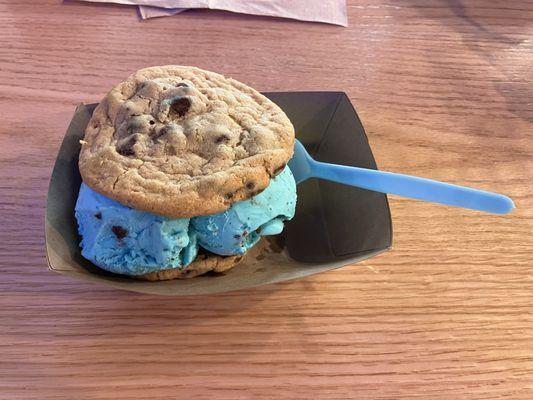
x=328 y=11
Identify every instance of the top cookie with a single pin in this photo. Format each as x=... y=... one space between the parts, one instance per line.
x=182 y=142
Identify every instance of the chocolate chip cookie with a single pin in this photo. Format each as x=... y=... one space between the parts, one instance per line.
x=182 y=142
x=202 y=264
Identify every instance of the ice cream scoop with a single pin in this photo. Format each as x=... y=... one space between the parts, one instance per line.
x=131 y=242
x=241 y=226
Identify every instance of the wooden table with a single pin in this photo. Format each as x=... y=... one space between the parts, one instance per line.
x=444 y=89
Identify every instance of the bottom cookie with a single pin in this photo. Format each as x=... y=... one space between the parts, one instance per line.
x=202 y=264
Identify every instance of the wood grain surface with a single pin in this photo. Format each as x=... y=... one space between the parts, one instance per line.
x=444 y=89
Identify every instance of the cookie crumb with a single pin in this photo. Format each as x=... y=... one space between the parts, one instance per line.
x=278 y=170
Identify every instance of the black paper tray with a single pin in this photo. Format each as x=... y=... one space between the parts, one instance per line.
x=334 y=225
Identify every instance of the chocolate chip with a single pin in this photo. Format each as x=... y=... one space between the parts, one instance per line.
x=182 y=84
x=229 y=196
x=181 y=105
x=156 y=135
x=119 y=232
x=212 y=274
x=152 y=122
x=222 y=139
x=250 y=185
x=125 y=148
x=98 y=215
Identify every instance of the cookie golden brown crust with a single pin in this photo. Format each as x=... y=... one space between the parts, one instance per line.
x=182 y=142
x=202 y=264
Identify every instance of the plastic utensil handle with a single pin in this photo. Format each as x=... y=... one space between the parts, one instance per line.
x=414 y=187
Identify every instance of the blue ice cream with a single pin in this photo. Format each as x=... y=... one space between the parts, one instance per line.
x=240 y=227
x=131 y=242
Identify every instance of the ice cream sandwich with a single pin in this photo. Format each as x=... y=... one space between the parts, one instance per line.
x=183 y=171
